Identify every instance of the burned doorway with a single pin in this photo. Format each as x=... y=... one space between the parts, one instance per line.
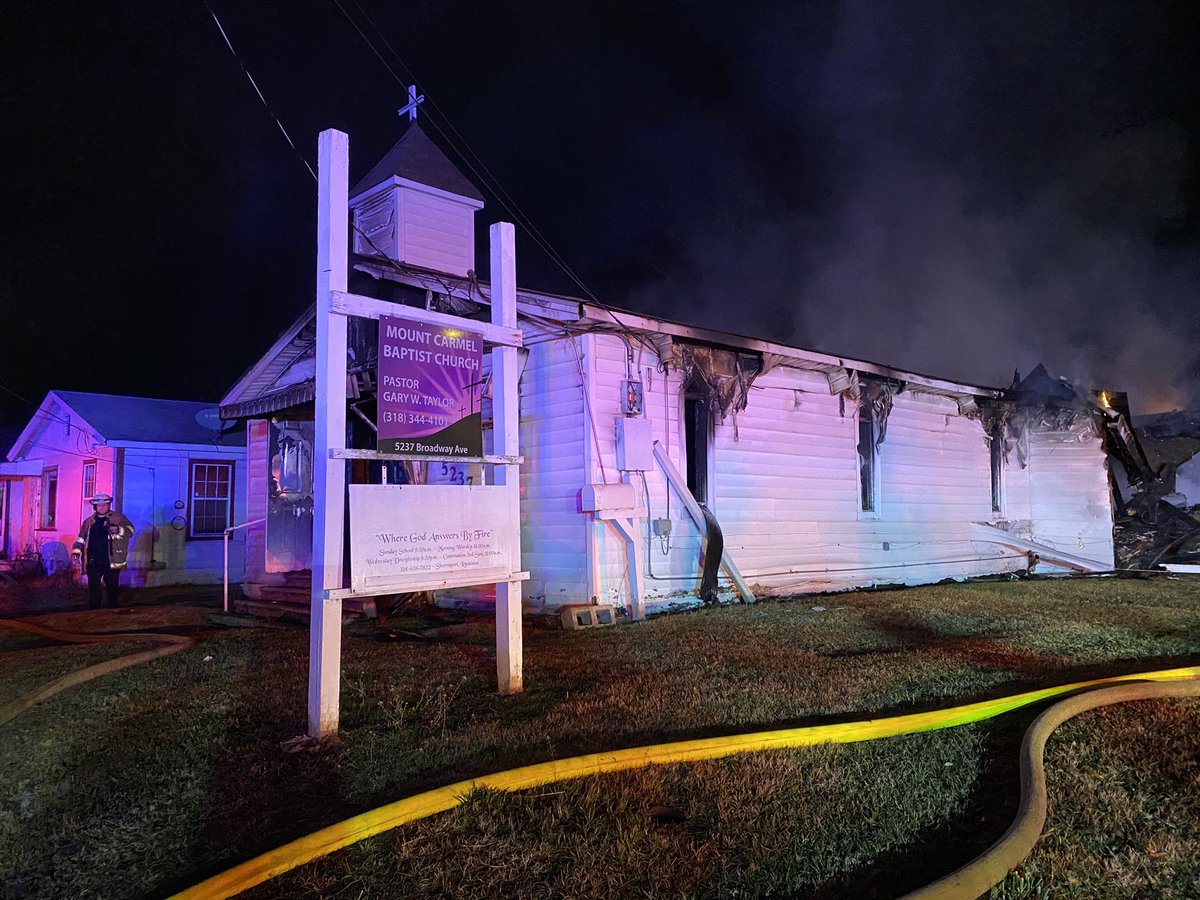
x=290 y=497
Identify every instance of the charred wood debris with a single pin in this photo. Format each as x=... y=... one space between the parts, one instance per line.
x=1152 y=523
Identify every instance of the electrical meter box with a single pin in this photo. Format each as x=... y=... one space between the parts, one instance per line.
x=635 y=452
x=632 y=398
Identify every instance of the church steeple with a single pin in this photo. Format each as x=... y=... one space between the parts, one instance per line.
x=417 y=207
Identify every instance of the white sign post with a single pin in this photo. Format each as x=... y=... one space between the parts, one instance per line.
x=506 y=416
x=415 y=537
x=329 y=474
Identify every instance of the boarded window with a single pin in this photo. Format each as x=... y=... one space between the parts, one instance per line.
x=868 y=500
x=211 y=495
x=49 y=498
x=89 y=480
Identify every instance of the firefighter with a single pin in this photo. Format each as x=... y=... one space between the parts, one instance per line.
x=103 y=548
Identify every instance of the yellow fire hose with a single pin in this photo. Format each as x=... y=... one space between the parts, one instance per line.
x=977 y=876
x=168 y=644
x=967 y=882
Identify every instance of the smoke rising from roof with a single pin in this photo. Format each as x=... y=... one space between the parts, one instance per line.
x=970 y=196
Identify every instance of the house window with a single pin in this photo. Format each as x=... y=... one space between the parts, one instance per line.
x=89 y=480
x=49 y=498
x=697 y=434
x=996 y=449
x=211 y=495
x=868 y=462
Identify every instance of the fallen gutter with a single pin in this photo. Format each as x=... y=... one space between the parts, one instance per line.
x=1045 y=552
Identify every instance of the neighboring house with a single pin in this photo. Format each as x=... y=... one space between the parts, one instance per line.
x=172 y=467
x=824 y=472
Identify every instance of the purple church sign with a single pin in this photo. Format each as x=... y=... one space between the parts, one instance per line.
x=430 y=385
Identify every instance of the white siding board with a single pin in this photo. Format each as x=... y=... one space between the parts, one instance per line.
x=785 y=486
x=553 y=532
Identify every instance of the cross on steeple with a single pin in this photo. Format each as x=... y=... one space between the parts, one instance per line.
x=414 y=100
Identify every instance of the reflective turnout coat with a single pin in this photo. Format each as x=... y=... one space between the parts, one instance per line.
x=118 y=543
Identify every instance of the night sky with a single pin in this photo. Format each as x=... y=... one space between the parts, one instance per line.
x=957 y=188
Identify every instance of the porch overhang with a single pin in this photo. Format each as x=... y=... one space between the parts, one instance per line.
x=276 y=401
x=21 y=469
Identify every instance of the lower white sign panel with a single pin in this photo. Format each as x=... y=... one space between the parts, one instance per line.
x=416 y=537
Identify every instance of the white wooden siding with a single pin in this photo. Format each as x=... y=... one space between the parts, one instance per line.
x=436 y=233
x=66 y=448
x=553 y=531
x=258 y=440
x=414 y=226
x=675 y=572
x=1187 y=480
x=161 y=553
x=785 y=488
x=1070 y=501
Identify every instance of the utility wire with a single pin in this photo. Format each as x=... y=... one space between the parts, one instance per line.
x=497 y=188
x=490 y=180
x=287 y=137
x=47 y=413
x=300 y=156
x=8 y=390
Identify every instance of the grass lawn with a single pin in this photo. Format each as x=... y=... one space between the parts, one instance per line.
x=147 y=780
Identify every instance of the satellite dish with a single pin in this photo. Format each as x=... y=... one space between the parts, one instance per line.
x=210 y=418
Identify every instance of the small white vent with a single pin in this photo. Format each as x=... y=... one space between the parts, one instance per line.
x=375 y=226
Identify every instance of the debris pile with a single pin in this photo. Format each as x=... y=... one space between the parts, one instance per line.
x=1157 y=522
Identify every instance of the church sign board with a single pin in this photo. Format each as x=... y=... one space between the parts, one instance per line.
x=420 y=537
x=430 y=388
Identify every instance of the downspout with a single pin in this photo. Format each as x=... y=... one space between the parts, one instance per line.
x=153 y=513
x=589 y=467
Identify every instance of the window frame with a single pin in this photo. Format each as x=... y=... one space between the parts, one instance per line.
x=695 y=393
x=996 y=468
x=865 y=415
x=193 y=464
x=48 y=505
x=89 y=494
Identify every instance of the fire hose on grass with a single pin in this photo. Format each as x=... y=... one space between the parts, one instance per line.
x=168 y=644
x=967 y=882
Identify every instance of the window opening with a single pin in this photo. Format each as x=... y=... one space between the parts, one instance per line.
x=89 y=481
x=867 y=462
x=49 y=497
x=212 y=495
x=697 y=429
x=996 y=446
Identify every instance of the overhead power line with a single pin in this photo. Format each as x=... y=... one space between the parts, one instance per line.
x=287 y=137
x=491 y=181
x=479 y=169
x=458 y=143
